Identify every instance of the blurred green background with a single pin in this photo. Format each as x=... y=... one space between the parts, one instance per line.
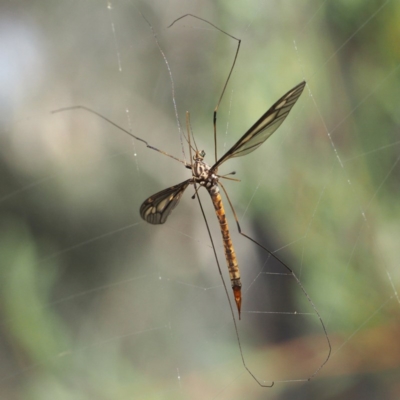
x=97 y=304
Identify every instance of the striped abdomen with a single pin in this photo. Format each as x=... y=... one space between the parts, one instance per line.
x=230 y=255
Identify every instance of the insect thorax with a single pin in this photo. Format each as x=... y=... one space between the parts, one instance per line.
x=203 y=175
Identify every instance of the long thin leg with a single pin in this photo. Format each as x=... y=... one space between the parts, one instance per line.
x=227 y=294
x=172 y=83
x=120 y=128
x=248 y=237
x=229 y=75
x=290 y=273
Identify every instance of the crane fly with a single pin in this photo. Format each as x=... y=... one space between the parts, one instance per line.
x=157 y=208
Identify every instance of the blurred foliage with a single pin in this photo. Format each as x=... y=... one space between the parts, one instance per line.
x=96 y=304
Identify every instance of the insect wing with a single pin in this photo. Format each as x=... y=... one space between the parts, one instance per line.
x=156 y=209
x=265 y=126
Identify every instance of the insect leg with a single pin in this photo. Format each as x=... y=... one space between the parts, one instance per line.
x=229 y=75
x=227 y=295
x=120 y=128
x=294 y=276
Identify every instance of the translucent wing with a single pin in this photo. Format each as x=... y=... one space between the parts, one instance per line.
x=156 y=208
x=265 y=126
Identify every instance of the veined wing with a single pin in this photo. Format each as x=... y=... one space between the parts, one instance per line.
x=265 y=126
x=156 y=209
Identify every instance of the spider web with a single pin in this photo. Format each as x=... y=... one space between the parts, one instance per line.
x=98 y=304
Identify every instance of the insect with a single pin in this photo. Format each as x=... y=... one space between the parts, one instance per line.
x=157 y=208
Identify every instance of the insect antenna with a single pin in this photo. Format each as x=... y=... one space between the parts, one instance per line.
x=190 y=130
x=189 y=135
x=190 y=144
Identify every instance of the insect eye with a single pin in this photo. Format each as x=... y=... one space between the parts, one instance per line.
x=203 y=153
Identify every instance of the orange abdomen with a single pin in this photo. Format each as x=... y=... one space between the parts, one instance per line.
x=230 y=255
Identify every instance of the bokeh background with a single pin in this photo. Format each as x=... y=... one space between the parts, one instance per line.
x=97 y=304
